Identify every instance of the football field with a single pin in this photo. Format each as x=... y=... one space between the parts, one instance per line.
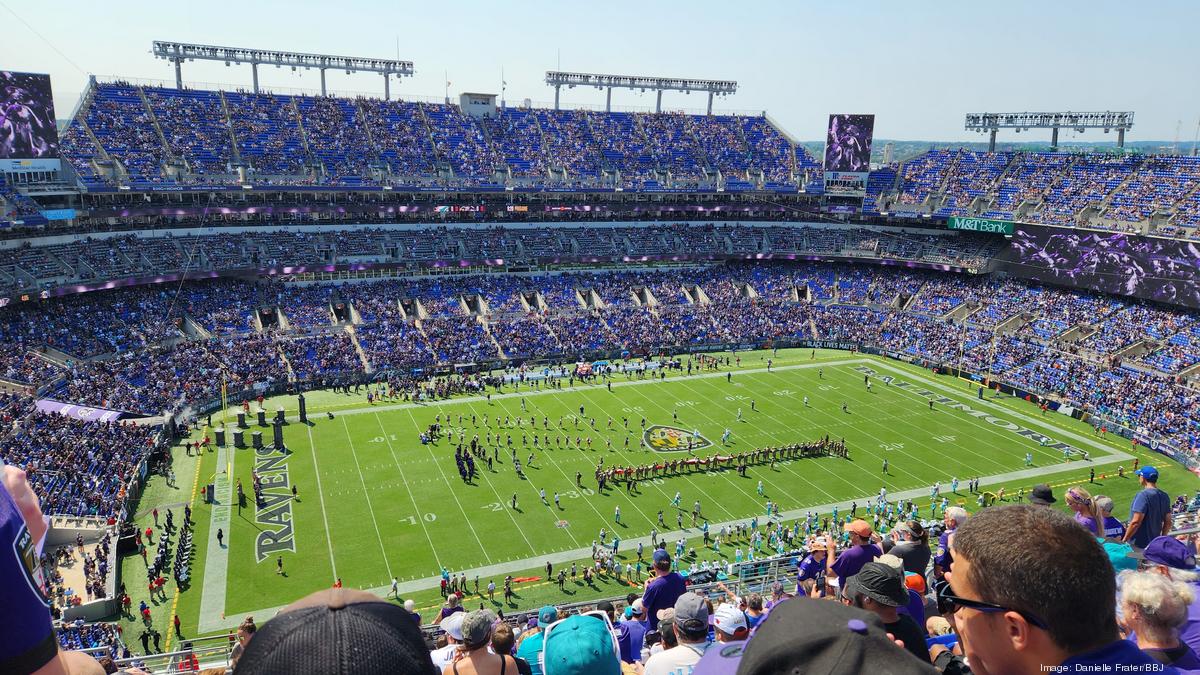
x=373 y=502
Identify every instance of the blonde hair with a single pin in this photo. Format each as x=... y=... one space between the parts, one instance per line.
x=1161 y=603
x=937 y=625
x=1082 y=498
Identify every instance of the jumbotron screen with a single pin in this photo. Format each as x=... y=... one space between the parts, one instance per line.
x=848 y=143
x=1163 y=270
x=27 y=128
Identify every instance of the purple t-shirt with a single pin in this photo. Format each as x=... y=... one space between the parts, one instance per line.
x=1088 y=522
x=1121 y=652
x=447 y=611
x=631 y=635
x=851 y=560
x=1187 y=661
x=662 y=593
x=1190 y=632
x=942 y=557
x=810 y=568
x=1113 y=528
x=28 y=639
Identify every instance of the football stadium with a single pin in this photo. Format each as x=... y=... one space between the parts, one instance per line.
x=304 y=380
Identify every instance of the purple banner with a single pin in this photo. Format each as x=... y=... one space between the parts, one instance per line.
x=80 y=412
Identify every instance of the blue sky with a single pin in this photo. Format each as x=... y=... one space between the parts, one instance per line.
x=919 y=66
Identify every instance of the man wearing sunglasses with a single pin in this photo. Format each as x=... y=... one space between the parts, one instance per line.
x=1032 y=590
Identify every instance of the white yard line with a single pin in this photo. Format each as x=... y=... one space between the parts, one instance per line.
x=508 y=511
x=777 y=441
x=453 y=492
x=312 y=446
x=367 y=493
x=208 y=624
x=536 y=562
x=408 y=491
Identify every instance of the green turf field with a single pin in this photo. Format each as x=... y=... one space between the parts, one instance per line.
x=374 y=503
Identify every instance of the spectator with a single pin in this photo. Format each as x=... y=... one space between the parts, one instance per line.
x=666 y=632
x=912 y=546
x=531 y=643
x=729 y=623
x=914 y=586
x=952 y=518
x=474 y=657
x=453 y=605
x=862 y=550
x=1041 y=495
x=245 y=632
x=582 y=644
x=754 y=610
x=879 y=589
x=338 y=630
x=1154 y=608
x=633 y=635
x=28 y=645
x=1171 y=558
x=452 y=627
x=1033 y=590
x=665 y=587
x=691 y=631
x=504 y=642
x=815 y=636
x=1086 y=512
x=1113 y=528
x=812 y=569
x=620 y=631
x=1150 y=513
x=410 y=607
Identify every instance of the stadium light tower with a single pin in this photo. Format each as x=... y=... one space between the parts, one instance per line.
x=178 y=52
x=557 y=79
x=1024 y=121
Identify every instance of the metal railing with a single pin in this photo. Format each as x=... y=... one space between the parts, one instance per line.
x=741 y=579
x=211 y=652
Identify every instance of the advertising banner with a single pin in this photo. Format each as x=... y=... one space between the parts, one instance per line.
x=1004 y=227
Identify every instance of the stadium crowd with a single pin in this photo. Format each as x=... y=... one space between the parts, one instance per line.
x=407 y=326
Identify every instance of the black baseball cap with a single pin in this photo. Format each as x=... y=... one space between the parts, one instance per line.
x=1041 y=495
x=338 y=630
x=810 y=636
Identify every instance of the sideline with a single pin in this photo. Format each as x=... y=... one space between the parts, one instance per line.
x=216 y=558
